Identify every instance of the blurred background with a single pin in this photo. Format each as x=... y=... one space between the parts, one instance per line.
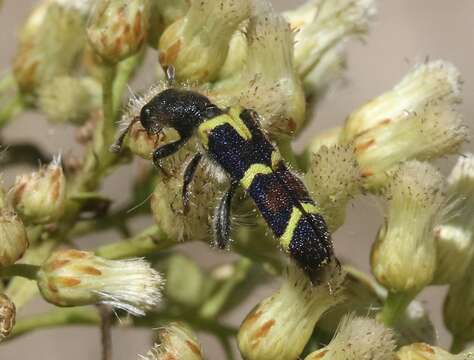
x=405 y=32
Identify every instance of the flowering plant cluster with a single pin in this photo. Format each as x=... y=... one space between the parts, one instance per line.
x=74 y=61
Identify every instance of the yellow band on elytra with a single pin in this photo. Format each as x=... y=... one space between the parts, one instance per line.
x=290 y=228
x=252 y=171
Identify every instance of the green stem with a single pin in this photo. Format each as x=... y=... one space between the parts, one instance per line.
x=11 y=109
x=394 y=307
x=286 y=150
x=23 y=270
x=57 y=317
x=147 y=242
x=457 y=345
x=214 y=305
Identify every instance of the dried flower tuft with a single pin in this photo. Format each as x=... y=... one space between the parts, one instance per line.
x=333 y=179
x=358 y=338
x=175 y=341
x=72 y=278
x=280 y=326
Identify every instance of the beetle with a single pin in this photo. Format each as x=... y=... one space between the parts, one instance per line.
x=234 y=141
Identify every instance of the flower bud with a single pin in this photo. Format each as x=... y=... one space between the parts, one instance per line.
x=50 y=44
x=418 y=119
x=454 y=232
x=333 y=179
x=280 y=326
x=13 y=238
x=197 y=44
x=167 y=203
x=175 y=341
x=7 y=316
x=268 y=83
x=320 y=26
x=69 y=99
x=422 y=351
x=403 y=257
x=74 y=278
x=186 y=283
x=118 y=28
x=358 y=338
x=40 y=197
x=458 y=312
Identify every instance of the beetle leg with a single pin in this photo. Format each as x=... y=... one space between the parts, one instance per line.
x=188 y=177
x=222 y=218
x=167 y=150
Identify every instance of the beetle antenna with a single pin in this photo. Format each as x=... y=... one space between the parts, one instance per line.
x=170 y=74
x=117 y=145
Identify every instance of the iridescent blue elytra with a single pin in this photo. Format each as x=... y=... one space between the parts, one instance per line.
x=233 y=140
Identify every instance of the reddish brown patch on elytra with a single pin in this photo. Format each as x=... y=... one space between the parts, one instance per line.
x=195 y=349
x=89 y=270
x=57 y=264
x=67 y=281
x=364 y=146
x=276 y=199
x=170 y=55
x=263 y=330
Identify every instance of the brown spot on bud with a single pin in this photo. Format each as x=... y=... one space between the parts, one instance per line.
x=67 y=281
x=170 y=55
x=262 y=331
x=364 y=146
x=251 y=318
x=77 y=254
x=57 y=264
x=137 y=25
x=319 y=355
x=195 y=349
x=89 y=270
x=424 y=348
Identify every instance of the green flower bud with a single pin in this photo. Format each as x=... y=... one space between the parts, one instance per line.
x=117 y=29
x=69 y=99
x=422 y=351
x=268 y=82
x=186 y=283
x=50 y=44
x=13 y=238
x=175 y=341
x=334 y=179
x=416 y=120
x=40 y=197
x=7 y=316
x=162 y=14
x=455 y=230
x=322 y=25
x=458 y=312
x=73 y=278
x=280 y=326
x=403 y=257
x=197 y=44
x=358 y=338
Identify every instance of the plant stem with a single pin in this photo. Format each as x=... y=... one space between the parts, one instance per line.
x=56 y=317
x=147 y=242
x=214 y=305
x=105 y=312
x=394 y=306
x=23 y=270
x=457 y=345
